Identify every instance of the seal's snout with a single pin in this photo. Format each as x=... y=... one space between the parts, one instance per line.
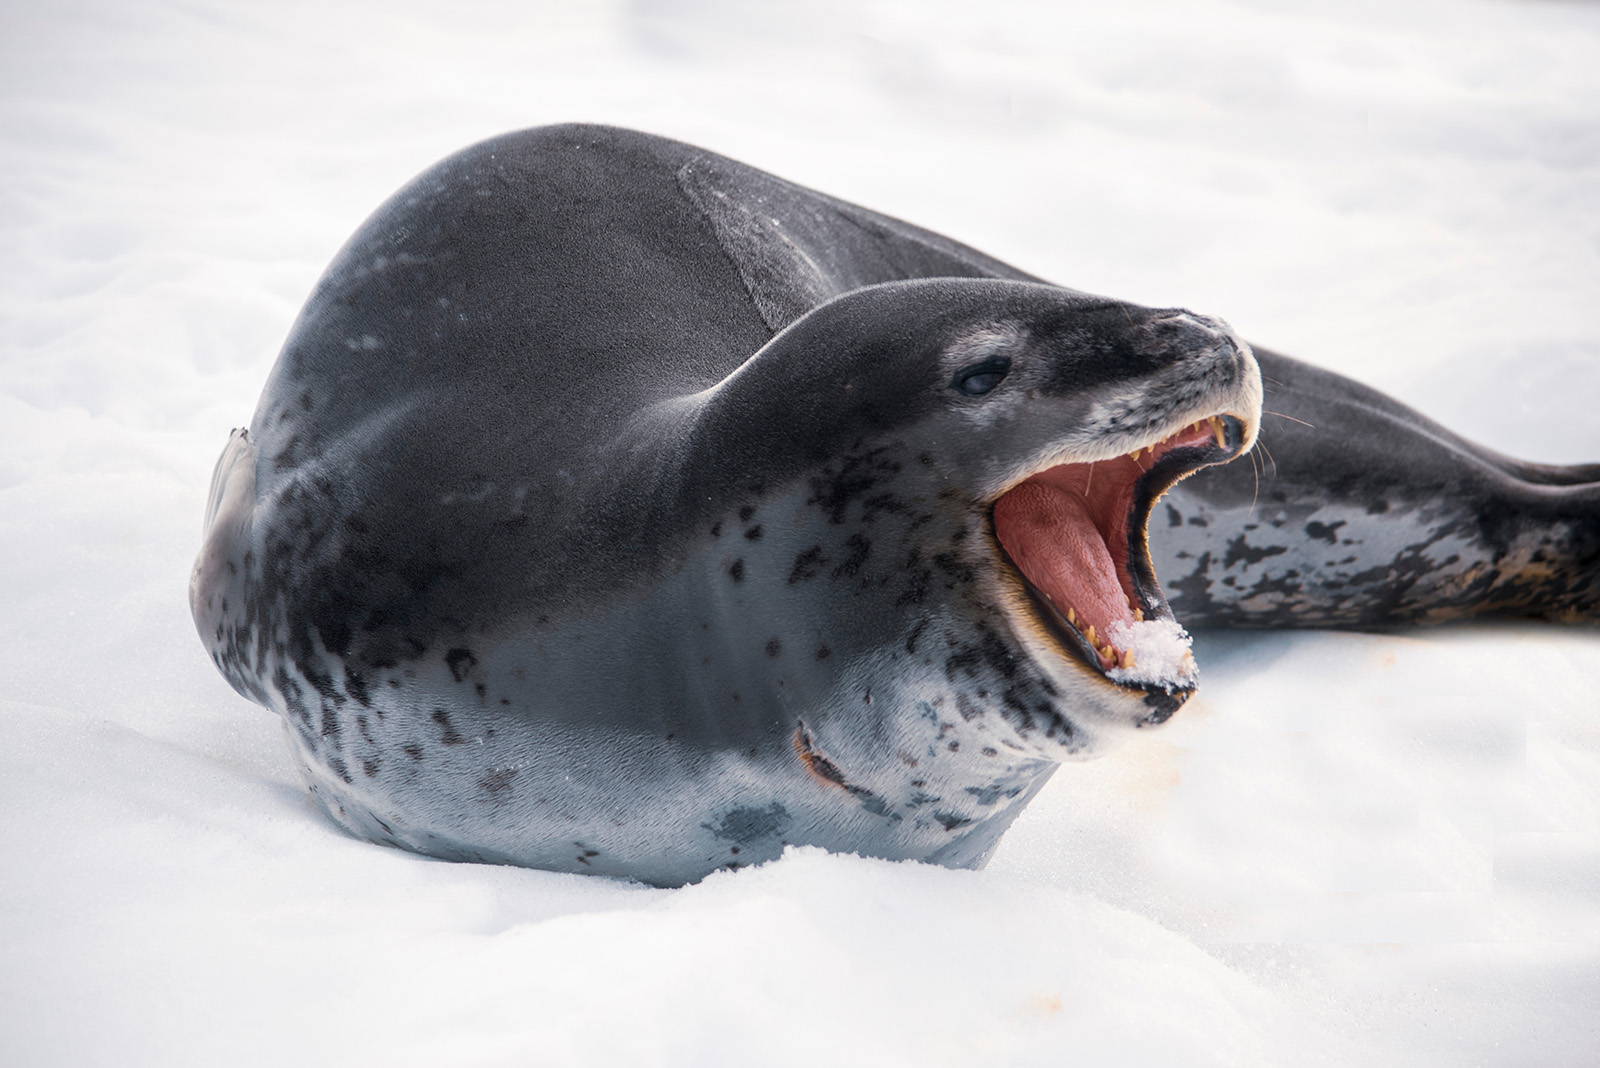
x=1185 y=346
x=1170 y=336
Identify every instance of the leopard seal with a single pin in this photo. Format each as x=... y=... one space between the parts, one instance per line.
x=614 y=507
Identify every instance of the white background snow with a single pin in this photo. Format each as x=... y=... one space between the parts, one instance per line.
x=1350 y=850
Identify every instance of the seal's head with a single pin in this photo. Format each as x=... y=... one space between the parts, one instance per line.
x=996 y=448
x=1070 y=517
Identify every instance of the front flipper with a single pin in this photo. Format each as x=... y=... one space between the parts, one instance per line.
x=1361 y=513
x=219 y=582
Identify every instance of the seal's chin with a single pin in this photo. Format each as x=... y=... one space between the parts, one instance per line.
x=1076 y=533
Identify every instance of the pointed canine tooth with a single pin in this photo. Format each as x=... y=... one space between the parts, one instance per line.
x=1090 y=635
x=1138 y=615
x=1072 y=617
x=1218 y=432
x=1109 y=653
x=1127 y=658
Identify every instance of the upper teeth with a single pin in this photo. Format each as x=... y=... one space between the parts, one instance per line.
x=1219 y=433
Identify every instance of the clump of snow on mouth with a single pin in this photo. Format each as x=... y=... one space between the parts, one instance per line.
x=1160 y=651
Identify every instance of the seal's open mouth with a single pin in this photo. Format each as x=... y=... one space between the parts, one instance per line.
x=1076 y=533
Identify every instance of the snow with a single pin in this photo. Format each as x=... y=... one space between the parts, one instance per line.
x=1346 y=849
x=1161 y=652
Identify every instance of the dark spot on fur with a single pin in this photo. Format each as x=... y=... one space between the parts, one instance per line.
x=750 y=824
x=1238 y=550
x=745 y=513
x=962 y=662
x=807 y=565
x=754 y=533
x=986 y=795
x=823 y=652
x=917 y=578
x=1013 y=700
x=1327 y=532
x=448 y=735
x=357 y=687
x=956 y=572
x=857 y=547
x=412 y=751
x=499 y=780
x=736 y=570
x=460 y=661
x=774 y=647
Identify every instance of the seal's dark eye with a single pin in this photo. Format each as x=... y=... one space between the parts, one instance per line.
x=979 y=378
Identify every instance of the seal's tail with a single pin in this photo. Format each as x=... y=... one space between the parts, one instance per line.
x=1559 y=576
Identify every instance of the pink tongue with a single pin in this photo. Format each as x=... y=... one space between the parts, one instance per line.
x=1049 y=535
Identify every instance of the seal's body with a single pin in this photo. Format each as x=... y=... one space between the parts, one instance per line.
x=1360 y=513
x=614 y=507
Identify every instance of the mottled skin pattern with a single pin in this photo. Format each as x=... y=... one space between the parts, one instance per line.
x=609 y=510
x=1357 y=512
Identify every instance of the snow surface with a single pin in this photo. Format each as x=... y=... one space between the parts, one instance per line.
x=1348 y=849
